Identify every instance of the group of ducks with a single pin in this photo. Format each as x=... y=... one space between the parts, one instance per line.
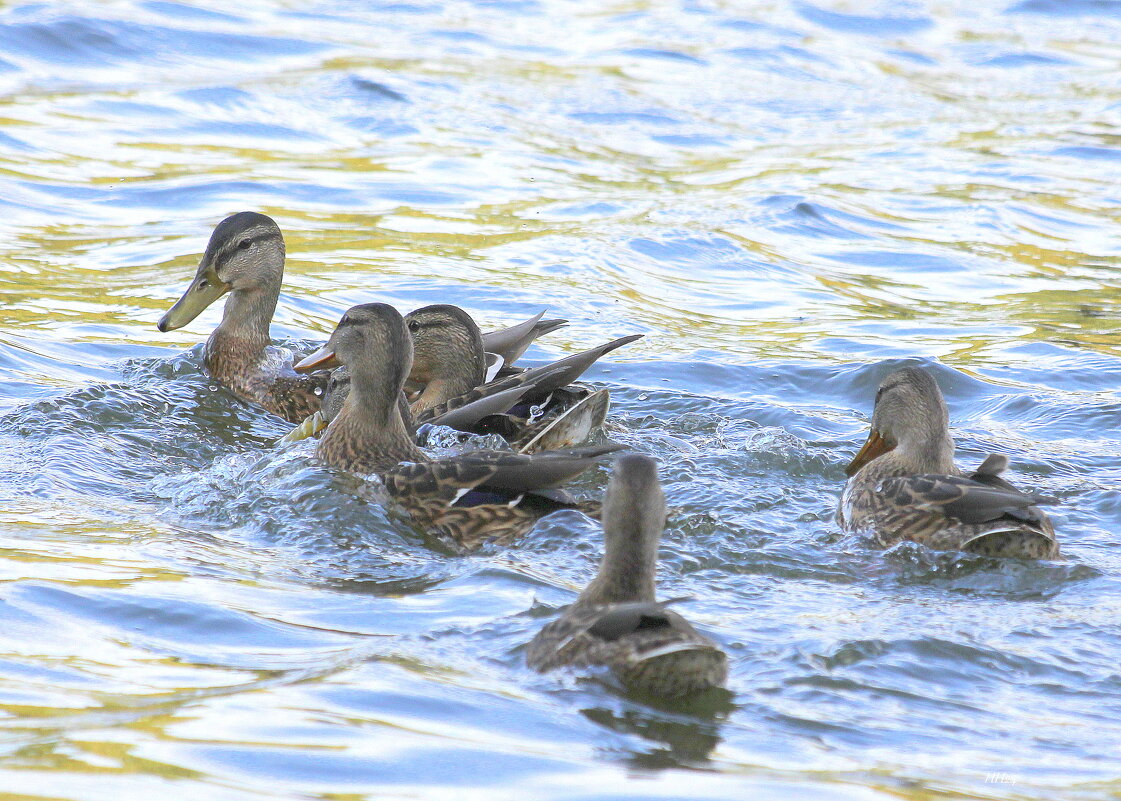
x=381 y=376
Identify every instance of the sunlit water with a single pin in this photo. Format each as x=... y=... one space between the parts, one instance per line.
x=788 y=199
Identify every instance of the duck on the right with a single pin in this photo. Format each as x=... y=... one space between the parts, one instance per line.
x=903 y=483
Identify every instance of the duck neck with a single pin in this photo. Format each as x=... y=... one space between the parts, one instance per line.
x=243 y=334
x=626 y=572
x=447 y=373
x=933 y=453
x=369 y=433
x=441 y=390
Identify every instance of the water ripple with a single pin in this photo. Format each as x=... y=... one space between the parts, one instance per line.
x=789 y=200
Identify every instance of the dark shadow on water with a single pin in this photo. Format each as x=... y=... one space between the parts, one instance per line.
x=681 y=732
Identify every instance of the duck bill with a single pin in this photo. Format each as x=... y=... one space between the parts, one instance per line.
x=875 y=446
x=204 y=290
x=322 y=359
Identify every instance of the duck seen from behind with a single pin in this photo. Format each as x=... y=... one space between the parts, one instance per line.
x=245 y=258
x=616 y=621
x=903 y=483
x=470 y=498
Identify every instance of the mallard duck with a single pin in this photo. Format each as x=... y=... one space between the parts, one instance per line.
x=551 y=412
x=449 y=363
x=616 y=620
x=541 y=409
x=245 y=257
x=448 y=355
x=903 y=484
x=469 y=499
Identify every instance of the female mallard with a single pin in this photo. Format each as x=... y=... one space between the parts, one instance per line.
x=616 y=622
x=449 y=358
x=470 y=498
x=903 y=484
x=541 y=410
x=448 y=370
x=245 y=257
x=444 y=332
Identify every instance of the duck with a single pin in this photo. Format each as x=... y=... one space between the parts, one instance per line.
x=468 y=499
x=616 y=621
x=448 y=368
x=245 y=258
x=533 y=409
x=452 y=356
x=903 y=483
x=449 y=357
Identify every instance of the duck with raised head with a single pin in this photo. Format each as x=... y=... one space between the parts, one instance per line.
x=245 y=258
x=448 y=367
x=543 y=409
x=616 y=621
x=903 y=483
x=469 y=499
x=449 y=358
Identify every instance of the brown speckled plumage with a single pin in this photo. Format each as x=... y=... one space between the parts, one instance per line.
x=448 y=357
x=616 y=622
x=469 y=499
x=238 y=367
x=904 y=484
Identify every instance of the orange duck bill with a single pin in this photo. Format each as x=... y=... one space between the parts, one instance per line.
x=322 y=359
x=874 y=447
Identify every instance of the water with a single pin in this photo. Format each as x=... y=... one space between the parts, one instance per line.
x=788 y=199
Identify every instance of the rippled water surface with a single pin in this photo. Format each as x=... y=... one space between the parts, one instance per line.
x=788 y=198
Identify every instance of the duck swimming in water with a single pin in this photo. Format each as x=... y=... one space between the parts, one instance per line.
x=903 y=484
x=616 y=621
x=543 y=408
x=245 y=258
x=469 y=499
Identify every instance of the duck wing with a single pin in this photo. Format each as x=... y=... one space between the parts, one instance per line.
x=499 y=470
x=510 y=343
x=618 y=620
x=564 y=371
x=525 y=382
x=965 y=499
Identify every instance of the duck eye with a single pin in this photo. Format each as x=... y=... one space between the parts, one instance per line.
x=203 y=284
x=414 y=325
x=244 y=244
